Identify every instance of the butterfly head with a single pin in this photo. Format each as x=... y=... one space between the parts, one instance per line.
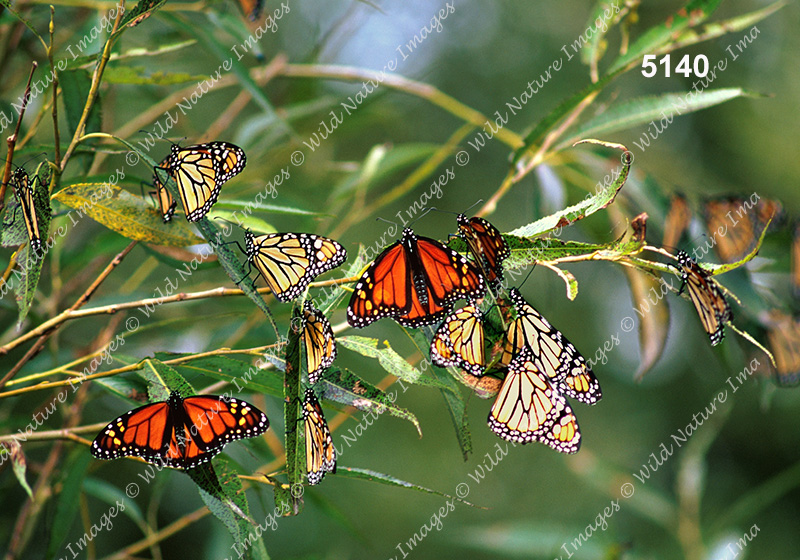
x=462 y=220
x=175 y=400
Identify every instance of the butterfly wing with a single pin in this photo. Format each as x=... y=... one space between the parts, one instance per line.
x=288 y=262
x=415 y=281
x=552 y=353
x=143 y=432
x=459 y=341
x=201 y=170
x=319 y=342
x=486 y=245
x=320 y=451
x=165 y=201
x=24 y=189
x=528 y=408
x=708 y=300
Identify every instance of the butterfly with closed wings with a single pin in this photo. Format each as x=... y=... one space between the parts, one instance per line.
x=199 y=171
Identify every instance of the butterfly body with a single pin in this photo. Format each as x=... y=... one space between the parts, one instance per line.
x=415 y=281
x=288 y=262
x=199 y=171
x=708 y=300
x=180 y=432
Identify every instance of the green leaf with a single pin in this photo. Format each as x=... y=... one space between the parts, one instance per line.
x=651 y=41
x=345 y=387
x=73 y=470
x=237 y=373
x=128 y=215
x=389 y=360
x=142 y=10
x=604 y=15
x=112 y=495
x=162 y=380
x=660 y=109
x=9 y=5
x=381 y=478
x=75 y=86
x=458 y=411
x=19 y=464
x=586 y=207
x=141 y=76
x=249 y=207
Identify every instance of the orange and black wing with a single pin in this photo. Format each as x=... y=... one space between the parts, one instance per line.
x=415 y=281
x=289 y=262
x=707 y=297
x=486 y=245
x=459 y=341
x=528 y=408
x=320 y=451
x=143 y=432
x=553 y=354
x=319 y=342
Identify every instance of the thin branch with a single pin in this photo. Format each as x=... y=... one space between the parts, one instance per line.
x=12 y=140
x=149 y=302
x=168 y=531
x=94 y=89
x=56 y=136
x=78 y=304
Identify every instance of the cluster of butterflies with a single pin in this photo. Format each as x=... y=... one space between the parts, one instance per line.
x=416 y=281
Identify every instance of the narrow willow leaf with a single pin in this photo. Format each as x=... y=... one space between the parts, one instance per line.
x=692 y=14
x=344 y=386
x=458 y=412
x=390 y=360
x=236 y=372
x=662 y=110
x=141 y=76
x=589 y=205
x=250 y=206
x=112 y=495
x=128 y=215
x=73 y=469
x=162 y=380
x=20 y=465
x=381 y=478
x=139 y=13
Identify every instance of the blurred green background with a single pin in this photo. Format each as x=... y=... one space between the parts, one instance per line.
x=535 y=499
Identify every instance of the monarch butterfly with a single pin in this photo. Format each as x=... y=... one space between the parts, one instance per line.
x=200 y=171
x=459 y=341
x=415 y=280
x=551 y=352
x=320 y=451
x=290 y=261
x=784 y=342
x=319 y=341
x=486 y=244
x=180 y=432
x=529 y=408
x=25 y=189
x=736 y=223
x=706 y=296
